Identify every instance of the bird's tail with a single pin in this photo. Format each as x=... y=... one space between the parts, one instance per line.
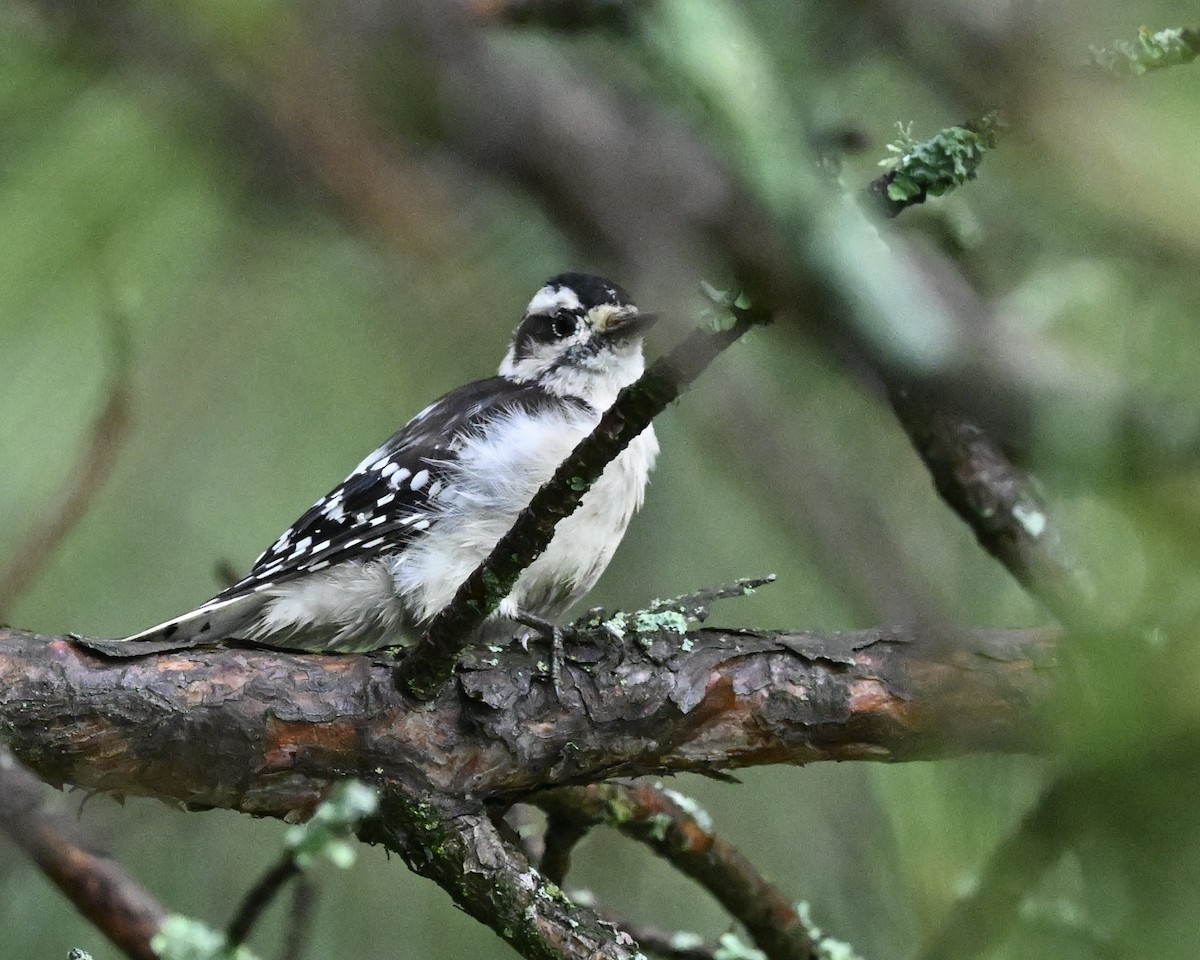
x=214 y=621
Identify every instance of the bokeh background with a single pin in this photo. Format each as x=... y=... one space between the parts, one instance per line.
x=283 y=228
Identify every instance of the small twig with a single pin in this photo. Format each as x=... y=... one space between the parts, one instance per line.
x=563 y=833
x=261 y=895
x=323 y=833
x=100 y=889
x=695 y=605
x=569 y=16
x=674 y=829
x=431 y=661
x=300 y=916
x=85 y=479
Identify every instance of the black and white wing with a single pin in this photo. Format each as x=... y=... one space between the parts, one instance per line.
x=385 y=503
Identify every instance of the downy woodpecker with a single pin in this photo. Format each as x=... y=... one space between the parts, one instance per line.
x=377 y=557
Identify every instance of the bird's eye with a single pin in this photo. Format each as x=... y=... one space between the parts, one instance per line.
x=563 y=324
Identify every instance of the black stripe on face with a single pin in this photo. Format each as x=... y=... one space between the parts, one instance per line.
x=545 y=328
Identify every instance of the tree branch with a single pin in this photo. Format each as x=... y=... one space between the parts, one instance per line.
x=267 y=732
x=99 y=888
x=85 y=478
x=459 y=848
x=685 y=838
x=999 y=502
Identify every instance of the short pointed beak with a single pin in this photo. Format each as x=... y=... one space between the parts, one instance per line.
x=625 y=323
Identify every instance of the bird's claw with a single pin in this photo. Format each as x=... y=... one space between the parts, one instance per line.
x=556 y=634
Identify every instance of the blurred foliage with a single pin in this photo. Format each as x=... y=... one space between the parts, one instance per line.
x=278 y=332
x=1151 y=51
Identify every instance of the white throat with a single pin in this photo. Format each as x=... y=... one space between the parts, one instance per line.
x=597 y=383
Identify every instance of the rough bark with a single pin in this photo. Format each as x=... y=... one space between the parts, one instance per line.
x=267 y=732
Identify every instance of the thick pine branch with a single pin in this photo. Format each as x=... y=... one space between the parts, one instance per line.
x=268 y=732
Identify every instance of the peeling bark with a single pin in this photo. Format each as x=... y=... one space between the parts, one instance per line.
x=266 y=732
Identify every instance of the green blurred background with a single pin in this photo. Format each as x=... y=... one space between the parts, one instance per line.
x=177 y=175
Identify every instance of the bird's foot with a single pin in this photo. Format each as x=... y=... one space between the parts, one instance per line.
x=556 y=634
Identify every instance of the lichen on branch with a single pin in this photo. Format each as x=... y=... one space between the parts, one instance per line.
x=1152 y=50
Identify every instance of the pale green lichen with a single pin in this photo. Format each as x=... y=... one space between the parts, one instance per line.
x=827 y=947
x=1152 y=50
x=946 y=160
x=616 y=625
x=721 y=312
x=660 y=823
x=685 y=940
x=733 y=947
x=183 y=938
x=323 y=834
x=667 y=621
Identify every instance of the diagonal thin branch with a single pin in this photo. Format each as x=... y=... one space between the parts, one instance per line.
x=85 y=478
x=663 y=821
x=431 y=661
x=100 y=889
x=978 y=921
x=260 y=896
x=999 y=502
x=1004 y=508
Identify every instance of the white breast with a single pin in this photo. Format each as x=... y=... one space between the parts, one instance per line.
x=494 y=480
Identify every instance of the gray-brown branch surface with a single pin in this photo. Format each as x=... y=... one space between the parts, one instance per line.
x=267 y=732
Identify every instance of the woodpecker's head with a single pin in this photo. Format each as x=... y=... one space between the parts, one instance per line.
x=581 y=337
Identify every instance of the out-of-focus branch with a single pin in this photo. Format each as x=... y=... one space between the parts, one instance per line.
x=259 y=898
x=978 y=921
x=682 y=834
x=98 y=887
x=300 y=916
x=565 y=15
x=999 y=502
x=822 y=501
x=84 y=480
x=430 y=662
